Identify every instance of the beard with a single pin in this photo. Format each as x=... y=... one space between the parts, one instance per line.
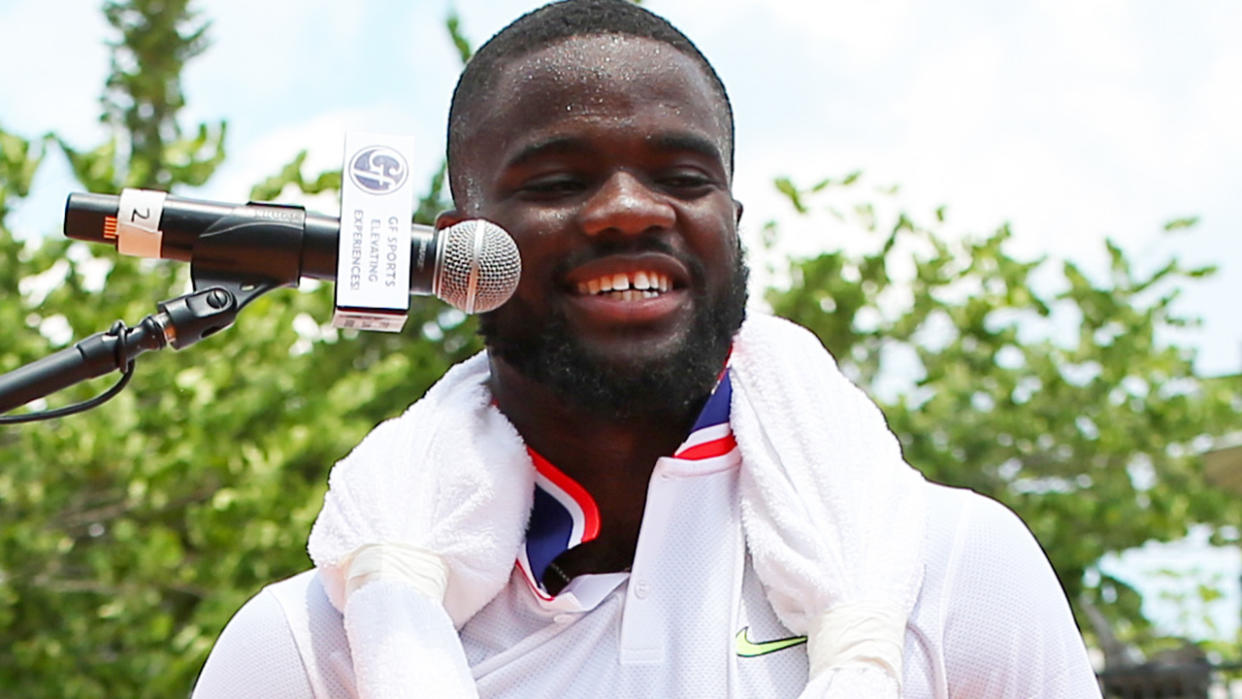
x=666 y=387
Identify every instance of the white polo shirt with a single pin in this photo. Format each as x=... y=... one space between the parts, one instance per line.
x=691 y=618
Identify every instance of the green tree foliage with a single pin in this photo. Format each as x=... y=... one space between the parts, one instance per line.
x=141 y=101
x=1070 y=405
x=130 y=534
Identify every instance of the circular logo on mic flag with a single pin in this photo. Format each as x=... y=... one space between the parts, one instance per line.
x=378 y=169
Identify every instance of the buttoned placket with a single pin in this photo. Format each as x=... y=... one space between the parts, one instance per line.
x=643 y=631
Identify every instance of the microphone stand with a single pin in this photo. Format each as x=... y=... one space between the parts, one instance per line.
x=229 y=268
x=180 y=322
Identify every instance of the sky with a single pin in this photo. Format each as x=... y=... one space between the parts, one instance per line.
x=1073 y=120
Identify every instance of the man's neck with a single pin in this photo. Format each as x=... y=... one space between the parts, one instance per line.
x=612 y=458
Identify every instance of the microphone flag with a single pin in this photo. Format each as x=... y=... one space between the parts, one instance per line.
x=373 y=259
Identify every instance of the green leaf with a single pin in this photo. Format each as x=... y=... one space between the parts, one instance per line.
x=786 y=187
x=453 y=24
x=1179 y=224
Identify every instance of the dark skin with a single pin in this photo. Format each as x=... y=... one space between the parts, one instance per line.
x=587 y=150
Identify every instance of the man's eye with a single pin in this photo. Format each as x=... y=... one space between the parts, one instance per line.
x=553 y=186
x=685 y=181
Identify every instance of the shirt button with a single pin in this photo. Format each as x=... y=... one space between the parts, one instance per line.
x=642 y=589
x=563 y=618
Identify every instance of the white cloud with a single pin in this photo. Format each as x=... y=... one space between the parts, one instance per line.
x=55 y=64
x=1096 y=36
x=1215 y=112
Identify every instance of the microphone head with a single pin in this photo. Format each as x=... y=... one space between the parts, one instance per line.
x=478 y=266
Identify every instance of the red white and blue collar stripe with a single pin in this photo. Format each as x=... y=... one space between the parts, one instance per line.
x=564 y=514
x=711 y=436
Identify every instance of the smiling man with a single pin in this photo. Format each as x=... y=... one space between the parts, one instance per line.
x=608 y=157
x=632 y=492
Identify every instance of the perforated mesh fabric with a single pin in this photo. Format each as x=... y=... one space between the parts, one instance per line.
x=479 y=266
x=995 y=624
x=257 y=654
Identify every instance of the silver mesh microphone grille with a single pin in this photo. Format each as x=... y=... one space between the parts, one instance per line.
x=478 y=268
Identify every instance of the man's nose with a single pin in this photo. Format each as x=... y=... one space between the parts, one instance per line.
x=625 y=204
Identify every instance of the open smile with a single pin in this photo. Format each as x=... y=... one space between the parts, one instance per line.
x=625 y=286
x=621 y=289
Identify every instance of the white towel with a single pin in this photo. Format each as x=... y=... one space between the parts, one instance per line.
x=448 y=480
x=833 y=517
x=433 y=505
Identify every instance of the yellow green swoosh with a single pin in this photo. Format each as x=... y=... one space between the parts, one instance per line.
x=749 y=649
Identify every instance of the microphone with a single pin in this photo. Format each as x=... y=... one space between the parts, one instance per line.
x=473 y=266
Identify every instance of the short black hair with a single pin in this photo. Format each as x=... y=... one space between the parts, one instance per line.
x=552 y=23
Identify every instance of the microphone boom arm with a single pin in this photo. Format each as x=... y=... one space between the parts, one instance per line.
x=225 y=274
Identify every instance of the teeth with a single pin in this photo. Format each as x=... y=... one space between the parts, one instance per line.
x=639 y=285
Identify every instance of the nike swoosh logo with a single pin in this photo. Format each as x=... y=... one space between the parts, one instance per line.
x=749 y=649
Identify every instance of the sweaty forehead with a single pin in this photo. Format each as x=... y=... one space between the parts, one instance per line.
x=609 y=76
x=579 y=60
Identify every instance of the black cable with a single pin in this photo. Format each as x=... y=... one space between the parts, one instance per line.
x=118 y=328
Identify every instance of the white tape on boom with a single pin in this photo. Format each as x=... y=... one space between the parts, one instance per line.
x=138 y=222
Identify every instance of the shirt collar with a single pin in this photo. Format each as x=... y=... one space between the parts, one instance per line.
x=564 y=514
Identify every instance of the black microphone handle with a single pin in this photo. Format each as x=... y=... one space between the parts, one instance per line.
x=183 y=220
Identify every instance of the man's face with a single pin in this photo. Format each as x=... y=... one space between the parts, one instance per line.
x=606 y=159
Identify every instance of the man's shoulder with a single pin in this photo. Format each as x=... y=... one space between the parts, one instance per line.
x=305 y=609
x=263 y=649
x=970 y=534
x=289 y=608
x=298 y=591
x=953 y=514
x=992 y=603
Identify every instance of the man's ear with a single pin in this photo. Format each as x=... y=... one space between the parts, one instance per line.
x=452 y=217
x=737 y=206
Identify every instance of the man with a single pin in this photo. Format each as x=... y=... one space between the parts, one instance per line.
x=777 y=549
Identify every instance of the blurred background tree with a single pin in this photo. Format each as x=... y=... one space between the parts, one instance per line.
x=129 y=534
x=1073 y=406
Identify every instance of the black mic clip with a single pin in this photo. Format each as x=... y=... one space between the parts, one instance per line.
x=192 y=317
x=250 y=247
x=234 y=261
